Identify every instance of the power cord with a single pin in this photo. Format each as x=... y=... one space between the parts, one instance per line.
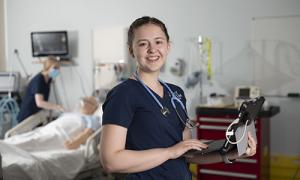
x=229 y=133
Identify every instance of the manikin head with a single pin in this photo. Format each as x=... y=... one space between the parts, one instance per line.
x=88 y=105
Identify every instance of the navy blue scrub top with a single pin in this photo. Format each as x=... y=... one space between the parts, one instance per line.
x=129 y=105
x=37 y=85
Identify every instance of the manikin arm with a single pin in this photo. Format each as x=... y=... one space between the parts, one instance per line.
x=81 y=138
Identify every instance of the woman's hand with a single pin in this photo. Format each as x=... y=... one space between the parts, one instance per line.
x=182 y=147
x=60 y=108
x=251 y=149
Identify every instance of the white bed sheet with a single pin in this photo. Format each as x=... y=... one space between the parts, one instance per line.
x=60 y=164
x=51 y=136
x=41 y=154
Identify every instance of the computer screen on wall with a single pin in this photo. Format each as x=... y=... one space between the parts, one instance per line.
x=49 y=43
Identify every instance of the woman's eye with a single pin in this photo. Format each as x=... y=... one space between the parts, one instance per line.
x=159 y=42
x=142 y=44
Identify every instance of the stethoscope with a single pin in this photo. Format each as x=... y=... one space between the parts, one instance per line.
x=164 y=110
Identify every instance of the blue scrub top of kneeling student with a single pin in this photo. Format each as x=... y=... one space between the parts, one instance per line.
x=37 y=85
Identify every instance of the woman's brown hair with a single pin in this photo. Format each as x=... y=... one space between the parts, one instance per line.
x=51 y=60
x=142 y=21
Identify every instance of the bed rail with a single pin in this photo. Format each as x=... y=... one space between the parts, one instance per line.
x=92 y=143
x=27 y=124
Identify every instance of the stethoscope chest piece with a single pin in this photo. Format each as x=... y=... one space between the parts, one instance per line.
x=165 y=111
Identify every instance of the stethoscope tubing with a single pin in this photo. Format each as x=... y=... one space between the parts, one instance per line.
x=173 y=96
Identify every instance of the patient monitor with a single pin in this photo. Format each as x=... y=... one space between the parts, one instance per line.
x=242 y=93
x=10 y=82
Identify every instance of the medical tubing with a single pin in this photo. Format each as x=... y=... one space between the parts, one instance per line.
x=9 y=105
x=149 y=91
x=181 y=104
x=173 y=95
x=173 y=98
x=229 y=127
x=66 y=99
x=169 y=89
x=81 y=82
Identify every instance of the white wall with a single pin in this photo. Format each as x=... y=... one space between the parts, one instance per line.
x=276 y=43
x=2 y=37
x=227 y=22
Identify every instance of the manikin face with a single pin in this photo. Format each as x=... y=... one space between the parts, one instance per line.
x=88 y=105
x=150 y=47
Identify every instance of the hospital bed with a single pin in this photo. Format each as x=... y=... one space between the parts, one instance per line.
x=88 y=153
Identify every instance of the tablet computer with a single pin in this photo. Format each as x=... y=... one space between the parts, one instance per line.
x=248 y=110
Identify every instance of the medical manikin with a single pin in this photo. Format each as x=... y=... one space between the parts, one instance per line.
x=69 y=131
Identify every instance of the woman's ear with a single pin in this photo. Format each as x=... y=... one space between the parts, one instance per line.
x=169 y=47
x=51 y=67
x=131 y=51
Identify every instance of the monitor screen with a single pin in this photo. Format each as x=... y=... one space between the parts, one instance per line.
x=244 y=92
x=49 y=43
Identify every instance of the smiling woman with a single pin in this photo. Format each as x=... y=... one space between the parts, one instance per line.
x=142 y=118
x=149 y=45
